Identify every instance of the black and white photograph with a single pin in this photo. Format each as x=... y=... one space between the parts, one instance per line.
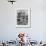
x=23 y=17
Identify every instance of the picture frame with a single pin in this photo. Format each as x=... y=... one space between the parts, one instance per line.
x=23 y=18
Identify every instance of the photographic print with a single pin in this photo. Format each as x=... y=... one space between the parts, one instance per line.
x=23 y=17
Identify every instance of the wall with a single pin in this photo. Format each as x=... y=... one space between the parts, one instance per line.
x=8 y=29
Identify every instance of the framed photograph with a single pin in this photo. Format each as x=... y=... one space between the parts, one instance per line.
x=23 y=18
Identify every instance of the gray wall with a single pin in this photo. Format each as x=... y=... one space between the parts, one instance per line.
x=8 y=28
